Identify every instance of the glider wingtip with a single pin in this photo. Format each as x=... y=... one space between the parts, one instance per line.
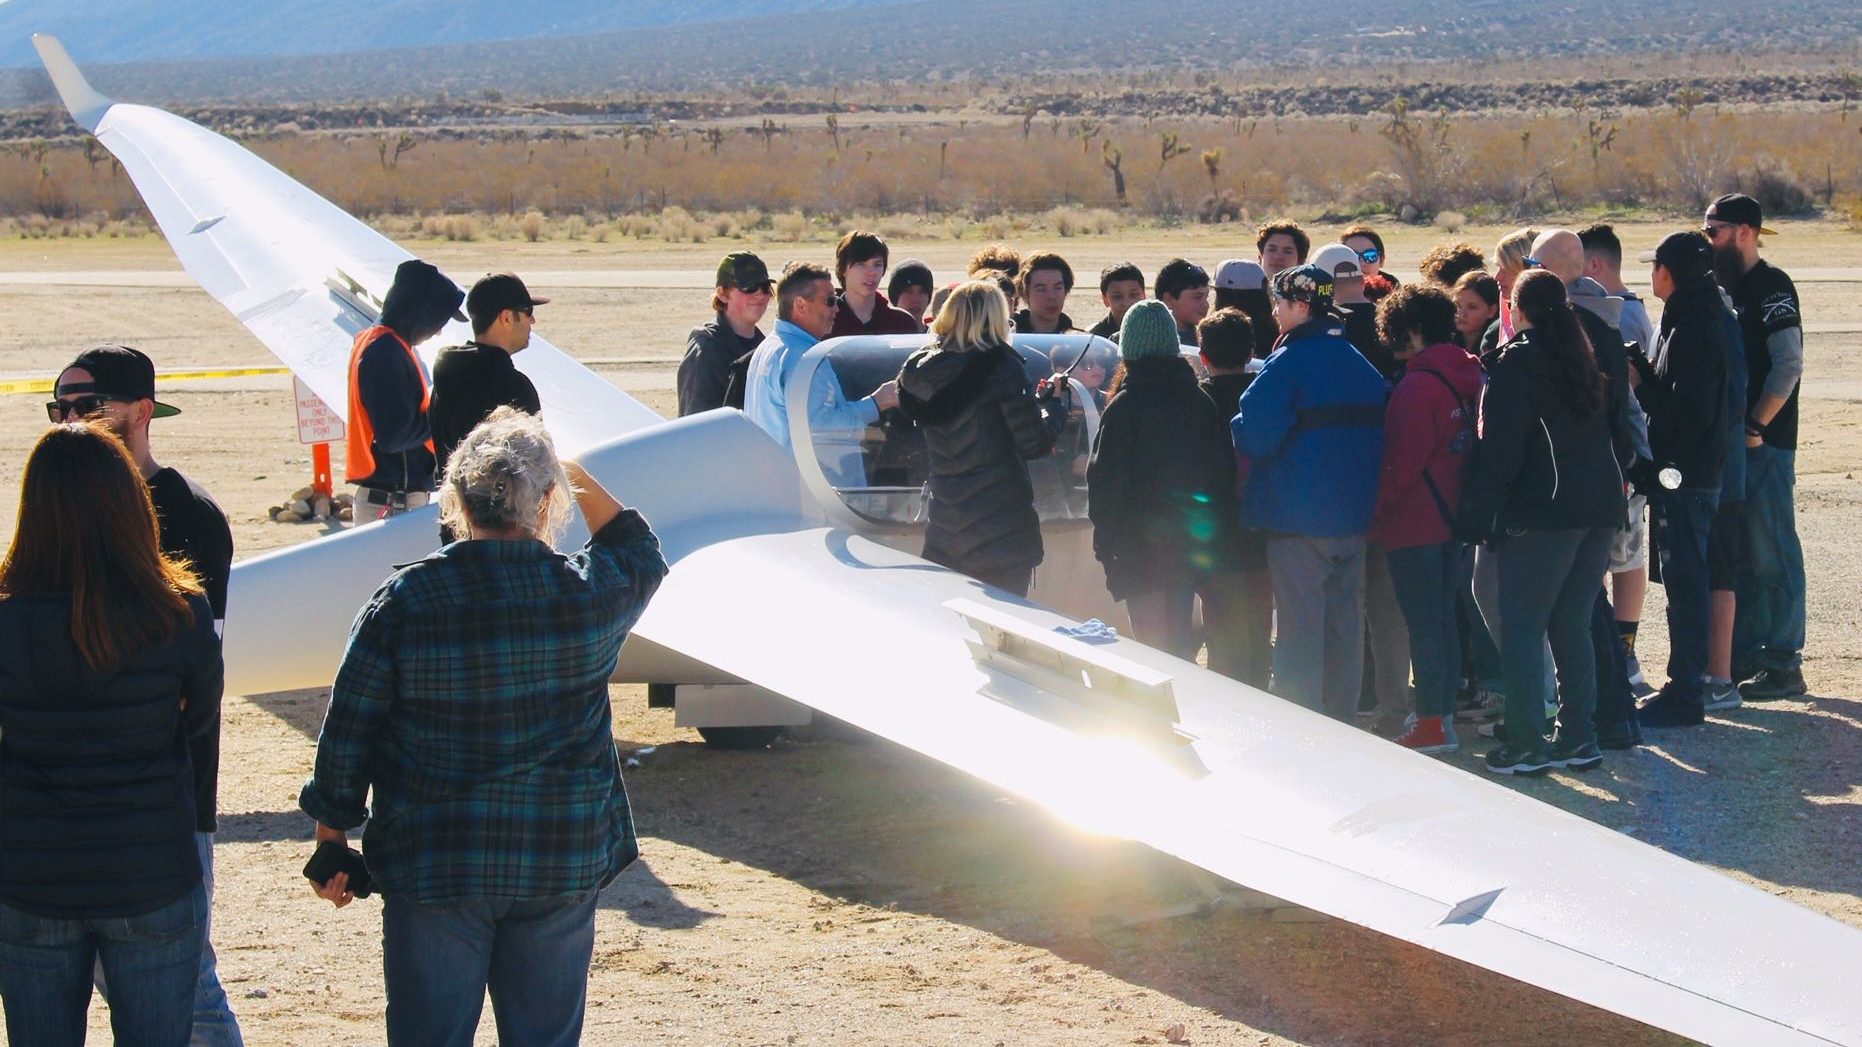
x=86 y=103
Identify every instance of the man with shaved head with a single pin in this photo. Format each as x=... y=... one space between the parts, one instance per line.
x=1560 y=252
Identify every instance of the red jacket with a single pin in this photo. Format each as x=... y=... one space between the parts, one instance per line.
x=1428 y=428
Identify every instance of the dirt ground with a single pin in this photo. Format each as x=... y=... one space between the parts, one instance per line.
x=840 y=889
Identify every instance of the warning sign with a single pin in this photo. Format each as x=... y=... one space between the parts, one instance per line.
x=316 y=423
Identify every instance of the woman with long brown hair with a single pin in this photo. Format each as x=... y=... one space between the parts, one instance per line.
x=110 y=677
x=1545 y=495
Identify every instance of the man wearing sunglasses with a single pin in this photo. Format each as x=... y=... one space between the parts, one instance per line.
x=472 y=380
x=114 y=385
x=1768 y=623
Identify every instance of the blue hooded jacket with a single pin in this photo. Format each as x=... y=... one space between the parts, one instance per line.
x=1313 y=423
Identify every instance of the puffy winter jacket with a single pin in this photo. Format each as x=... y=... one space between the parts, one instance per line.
x=980 y=421
x=1539 y=465
x=1313 y=423
x=97 y=781
x=1428 y=439
x=1161 y=482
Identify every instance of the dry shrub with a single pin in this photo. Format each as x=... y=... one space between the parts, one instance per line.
x=532 y=226
x=575 y=227
x=956 y=226
x=1778 y=190
x=677 y=226
x=1451 y=221
x=897 y=227
x=789 y=228
x=996 y=227
x=724 y=226
x=1068 y=222
x=601 y=232
x=1217 y=208
x=750 y=219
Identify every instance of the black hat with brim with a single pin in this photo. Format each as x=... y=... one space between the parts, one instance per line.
x=120 y=371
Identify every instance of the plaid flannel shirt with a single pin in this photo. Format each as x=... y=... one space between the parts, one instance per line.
x=473 y=698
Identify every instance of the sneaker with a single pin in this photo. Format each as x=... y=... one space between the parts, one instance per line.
x=1721 y=695
x=1576 y=757
x=1487 y=705
x=1772 y=684
x=1504 y=760
x=1431 y=734
x=1638 y=683
x=1668 y=709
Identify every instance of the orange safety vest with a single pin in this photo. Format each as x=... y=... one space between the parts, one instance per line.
x=361 y=431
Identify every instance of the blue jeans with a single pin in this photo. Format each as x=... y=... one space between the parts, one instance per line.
x=214 y=1024
x=1548 y=584
x=533 y=955
x=1680 y=521
x=1768 y=624
x=152 y=960
x=1428 y=582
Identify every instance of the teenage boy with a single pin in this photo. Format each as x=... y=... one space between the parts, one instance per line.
x=1121 y=285
x=1629 y=556
x=1312 y=426
x=1044 y=283
x=1682 y=385
x=1183 y=287
x=1242 y=603
x=1282 y=245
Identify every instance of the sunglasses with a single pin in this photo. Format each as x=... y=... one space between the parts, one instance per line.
x=1531 y=263
x=83 y=406
x=1712 y=229
x=1370 y=255
x=754 y=288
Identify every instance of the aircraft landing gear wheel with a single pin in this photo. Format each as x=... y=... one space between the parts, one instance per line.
x=739 y=738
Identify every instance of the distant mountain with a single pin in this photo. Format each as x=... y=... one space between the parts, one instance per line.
x=732 y=45
x=172 y=30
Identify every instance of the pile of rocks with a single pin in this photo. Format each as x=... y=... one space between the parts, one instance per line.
x=307 y=506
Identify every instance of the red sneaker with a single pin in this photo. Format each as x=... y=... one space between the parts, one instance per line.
x=1430 y=734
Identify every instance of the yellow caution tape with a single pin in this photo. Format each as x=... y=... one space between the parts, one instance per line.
x=44 y=385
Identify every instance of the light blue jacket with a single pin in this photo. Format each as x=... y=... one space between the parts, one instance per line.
x=766 y=400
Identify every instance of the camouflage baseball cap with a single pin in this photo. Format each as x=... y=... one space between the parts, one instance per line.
x=1304 y=283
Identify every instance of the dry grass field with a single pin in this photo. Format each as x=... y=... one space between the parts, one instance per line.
x=837 y=889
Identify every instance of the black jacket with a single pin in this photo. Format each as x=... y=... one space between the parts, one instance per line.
x=1683 y=385
x=980 y=421
x=469 y=382
x=704 y=371
x=97 y=784
x=1161 y=483
x=419 y=303
x=1539 y=465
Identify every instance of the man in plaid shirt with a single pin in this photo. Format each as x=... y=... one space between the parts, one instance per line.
x=473 y=699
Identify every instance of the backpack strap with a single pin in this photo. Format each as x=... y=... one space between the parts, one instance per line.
x=1467 y=414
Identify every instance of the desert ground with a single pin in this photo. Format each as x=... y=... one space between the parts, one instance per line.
x=839 y=889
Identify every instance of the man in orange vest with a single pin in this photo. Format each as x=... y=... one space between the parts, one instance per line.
x=390 y=445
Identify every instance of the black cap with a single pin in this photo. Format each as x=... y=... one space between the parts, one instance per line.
x=495 y=293
x=744 y=271
x=1686 y=255
x=910 y=273
x=1738 y=209
x=116 y=370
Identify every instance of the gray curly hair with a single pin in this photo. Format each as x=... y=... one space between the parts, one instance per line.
x=505 y=476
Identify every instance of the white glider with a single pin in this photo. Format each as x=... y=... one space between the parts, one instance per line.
x=775 y=581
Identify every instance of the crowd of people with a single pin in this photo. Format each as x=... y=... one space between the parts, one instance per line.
x=1430 y=503
x=1449 y=476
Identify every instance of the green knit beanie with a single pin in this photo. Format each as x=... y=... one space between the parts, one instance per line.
x=1148 y=331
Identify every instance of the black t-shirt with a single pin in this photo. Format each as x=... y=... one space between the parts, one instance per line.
x=194 y=529
x=469 y=382
x=1767 y=303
